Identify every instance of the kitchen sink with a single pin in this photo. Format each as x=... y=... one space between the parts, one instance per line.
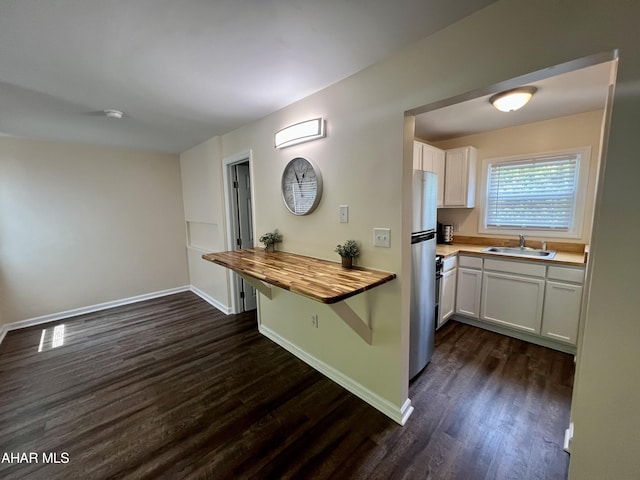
x=521 y=252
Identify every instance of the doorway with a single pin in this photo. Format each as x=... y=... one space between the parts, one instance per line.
x=240 y=223
x=585 y=85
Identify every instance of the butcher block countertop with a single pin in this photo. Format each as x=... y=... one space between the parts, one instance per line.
x=320 y=280
x=567 y=254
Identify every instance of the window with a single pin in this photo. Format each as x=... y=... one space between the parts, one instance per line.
x=538 y=193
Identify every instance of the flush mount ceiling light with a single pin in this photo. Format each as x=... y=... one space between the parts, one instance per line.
x=512 y=100
x=300 y=132
x=113 y=113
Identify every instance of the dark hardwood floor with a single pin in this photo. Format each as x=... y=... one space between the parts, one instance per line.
x=172 y=388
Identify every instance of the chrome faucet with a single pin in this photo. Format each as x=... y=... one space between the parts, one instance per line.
x=522 y=241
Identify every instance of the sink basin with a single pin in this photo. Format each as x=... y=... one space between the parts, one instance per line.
x=521 y=252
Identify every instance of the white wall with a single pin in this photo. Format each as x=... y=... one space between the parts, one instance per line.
x=202 y=184
x=364 y=165
x=83 y=225
x=584 y=129
x=361 y=164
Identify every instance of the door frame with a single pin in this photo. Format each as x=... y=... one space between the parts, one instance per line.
x=227 y=164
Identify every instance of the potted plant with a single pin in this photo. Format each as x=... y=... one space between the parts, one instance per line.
x=270 y=239
x=348 y=250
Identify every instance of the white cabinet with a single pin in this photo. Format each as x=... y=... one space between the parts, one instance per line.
x=539 y=300
x=417 y=155
x=469 y=284
x=562 y=303
x=430 y=159
x=513 y=301
x=456 y=170
x=512 y=294
x=460 y=177
x=447 y=301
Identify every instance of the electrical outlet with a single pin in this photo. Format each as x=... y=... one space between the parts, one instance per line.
x=314 y=320
x=456 y=227
x=382 y=237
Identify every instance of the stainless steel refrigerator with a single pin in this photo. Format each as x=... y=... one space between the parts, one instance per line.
x=423 y=254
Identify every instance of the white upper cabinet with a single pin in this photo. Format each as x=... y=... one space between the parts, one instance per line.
x=417 y=155
x=460 y=177
x=430 y=159
x=456 y=170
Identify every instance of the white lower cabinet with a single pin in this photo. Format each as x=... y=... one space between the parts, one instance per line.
x=513 y=301
x=541 y=300
x=468 y=296
x=447 y=294
x=469 y=283
x=561 y=313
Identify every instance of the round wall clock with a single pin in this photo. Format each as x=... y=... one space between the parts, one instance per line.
x=301 y=186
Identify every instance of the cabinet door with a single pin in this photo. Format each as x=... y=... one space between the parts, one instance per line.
x=468 y=294
x=455 y=178
x=428 y=153
x=513 y=301
x=417 y=156
x=460 y=177
x=430 y=159
x=447 y=296
x=439 y=169
x=561 y=313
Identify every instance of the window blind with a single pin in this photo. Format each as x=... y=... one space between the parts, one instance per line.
x=535 y=193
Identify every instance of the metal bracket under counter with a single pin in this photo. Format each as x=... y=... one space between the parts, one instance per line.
x=257 y=284
x=344 y=311
x=320 y=280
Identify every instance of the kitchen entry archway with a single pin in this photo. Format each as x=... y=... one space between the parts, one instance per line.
x=434 y=111
x=239 y=212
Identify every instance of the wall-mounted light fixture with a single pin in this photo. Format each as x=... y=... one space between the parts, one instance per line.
x=512 y=100
x=300 y=132
x=111 y=113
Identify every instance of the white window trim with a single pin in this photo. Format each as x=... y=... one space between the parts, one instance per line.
x=583 y=179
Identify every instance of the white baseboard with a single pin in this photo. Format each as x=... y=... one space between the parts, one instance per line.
x=54 y=317
x=568 y=436
x=211 y=301
x=399 y=415
x=511 y=332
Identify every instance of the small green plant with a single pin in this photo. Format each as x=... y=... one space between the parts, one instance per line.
x=270 y=238
x=348 y=249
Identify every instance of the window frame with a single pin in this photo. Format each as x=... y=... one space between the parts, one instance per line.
x=584 y=163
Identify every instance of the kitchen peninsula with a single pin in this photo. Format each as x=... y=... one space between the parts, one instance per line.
x=320 y=280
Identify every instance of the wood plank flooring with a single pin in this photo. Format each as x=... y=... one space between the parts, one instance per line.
x=171 y=388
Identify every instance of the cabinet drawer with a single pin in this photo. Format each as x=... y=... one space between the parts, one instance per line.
x=520 y=268
x=449 y=264
x=469 y=262
x=575 y=275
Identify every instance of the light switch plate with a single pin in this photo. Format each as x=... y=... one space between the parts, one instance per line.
x=382 y=237
x=344 y=213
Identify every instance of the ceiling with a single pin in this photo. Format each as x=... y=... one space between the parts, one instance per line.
x=570 y=93
x=183 y=72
